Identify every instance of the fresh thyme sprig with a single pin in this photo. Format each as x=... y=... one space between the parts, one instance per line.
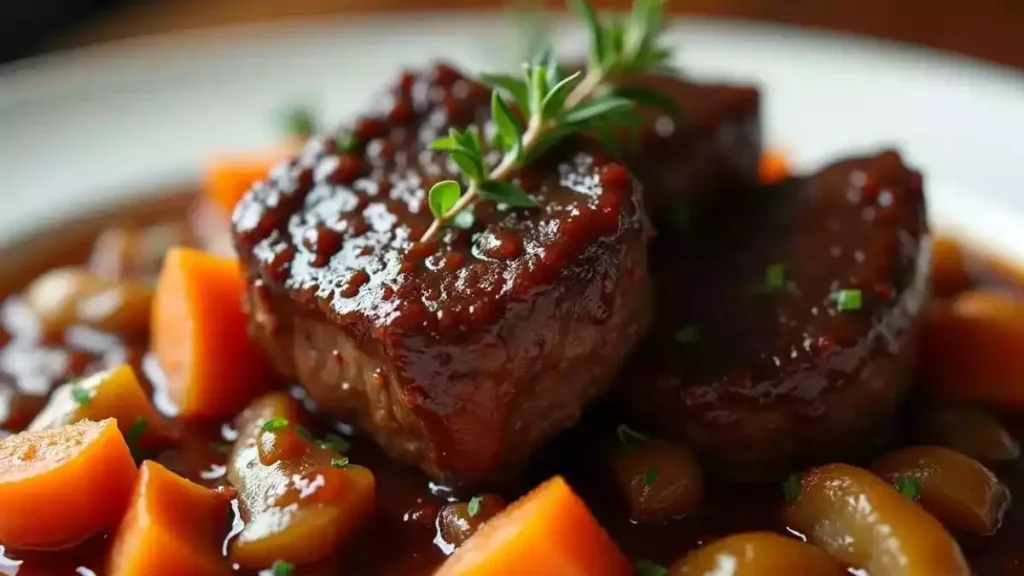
x=554 y=105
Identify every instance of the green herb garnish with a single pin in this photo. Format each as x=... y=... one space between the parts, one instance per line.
x=848 y=300
x=81 y=396
x=645 y=567
x=300 y=122
x=339 y=462
x=688 y=335
x=336 y=443
x=282 y=568
x=133 y=435
x=476 y=505
x=555 y=105
x=791 y=487
x=775 y=276
x=347 y=143
x=631 y=438
x=275 y=424
x=909 y=487
x=650 y=475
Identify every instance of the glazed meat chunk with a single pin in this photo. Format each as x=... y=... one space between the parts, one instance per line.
x=462 y=355
x=788 y=319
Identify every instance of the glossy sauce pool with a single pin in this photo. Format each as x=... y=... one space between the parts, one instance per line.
x=402 y=538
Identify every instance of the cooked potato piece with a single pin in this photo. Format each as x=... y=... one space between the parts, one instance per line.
x=461 y=520
x=659 y=480
x=299 y=500
x=64 y=297
x=114 y=393
x=863 y=522
x=756 y=554
x=973 y=346
x=956 y=489
x=971 y=431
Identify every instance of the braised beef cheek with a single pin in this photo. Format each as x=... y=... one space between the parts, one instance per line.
x=463 y=355
x=788 y=319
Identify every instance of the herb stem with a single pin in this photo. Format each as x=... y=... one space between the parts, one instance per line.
x=536 y=128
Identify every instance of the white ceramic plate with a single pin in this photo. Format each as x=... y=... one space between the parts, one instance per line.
x=101 y=125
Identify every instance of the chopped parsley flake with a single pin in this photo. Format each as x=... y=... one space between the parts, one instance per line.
x=476 y=505
x=645 y=567
x=347 y=142
x=336 y=443
x=688 y=335
x=650 y=475
x=274 y=424
x=339 y=462
x=301 y=122
x=631 y=438
x=282 y=568
x=791 y=487
x=81 y=396
x=909 y=487
x=848 y=300
x=775 y=276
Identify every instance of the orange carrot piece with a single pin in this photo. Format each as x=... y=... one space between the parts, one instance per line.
x=58 y=487
x=229 y=178
x=773 y=167
x=199 y=336
x=173 y=527
x=548 y=531
x=975 y=350
x=114 y=393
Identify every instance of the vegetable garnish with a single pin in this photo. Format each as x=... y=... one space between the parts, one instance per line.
x=336 y=443
x=134 y=434
x=300 y=122
x=631 y=438
x=476 y=505
x=650 y=476
x=688 y=335
x=274 y=424
x=791 y=487
x=847 y=300
x=347 y=142
x=282 y=568
x=775 y=276
x=645 y=567
x=82 y=396
x=339 y=462
x=909 y=487
x=555 y=105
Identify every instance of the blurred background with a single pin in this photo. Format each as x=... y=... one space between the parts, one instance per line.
x=987 y=29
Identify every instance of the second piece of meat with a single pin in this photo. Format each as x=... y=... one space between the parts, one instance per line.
x=788 y=319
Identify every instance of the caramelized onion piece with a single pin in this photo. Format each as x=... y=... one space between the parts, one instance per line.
x=956 y=489
x=659 y=480
x=65 y=297
x=461 y=520
x=971 y=431
x=756 y=554
x=863 y=522
x=299 y=499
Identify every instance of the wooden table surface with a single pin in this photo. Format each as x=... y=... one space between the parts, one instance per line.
x=988 y=29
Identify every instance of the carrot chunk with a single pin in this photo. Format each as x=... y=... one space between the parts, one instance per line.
x=173 y=527
x=773 y=167
x=227 y=179
x=199 y=336
x=58 y=487
x=114 y=393
x=548 y=531
x=973 y=347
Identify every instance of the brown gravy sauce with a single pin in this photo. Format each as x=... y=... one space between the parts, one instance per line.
x=402 y=537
